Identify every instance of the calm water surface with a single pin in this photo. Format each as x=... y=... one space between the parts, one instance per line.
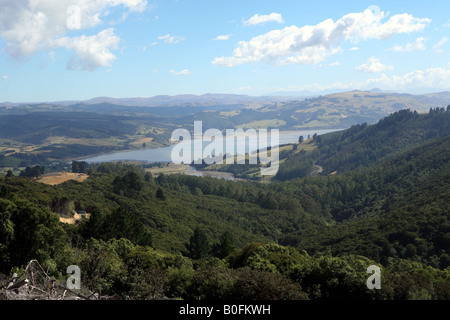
x=164 y=154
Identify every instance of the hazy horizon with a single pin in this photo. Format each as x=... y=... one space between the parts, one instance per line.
x=285 y=96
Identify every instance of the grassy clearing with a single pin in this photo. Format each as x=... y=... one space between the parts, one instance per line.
x=142 y=142
x=76 y=217
x=83 y=141
x=169 y=168
x=61 y=177
x=263 y=124
x=230 y=113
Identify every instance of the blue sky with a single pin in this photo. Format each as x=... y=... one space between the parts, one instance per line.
x=78 y=49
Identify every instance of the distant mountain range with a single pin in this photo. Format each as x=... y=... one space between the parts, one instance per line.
x=165 y=100
x=337 y=110
x=438 y=99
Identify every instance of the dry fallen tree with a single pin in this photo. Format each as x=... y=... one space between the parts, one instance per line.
x=35 y=284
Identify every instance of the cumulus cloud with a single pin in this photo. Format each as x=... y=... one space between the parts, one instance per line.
x=373 y=65
x=91 y=51
x=261 y=19
x=29 y=26
x=419 y=44
x=5 y=77
x=312 y=44
x=180 y=73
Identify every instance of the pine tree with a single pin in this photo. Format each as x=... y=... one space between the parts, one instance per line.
x=160 y=194
x=224 y=247
x=148 y=177
x=198 y=245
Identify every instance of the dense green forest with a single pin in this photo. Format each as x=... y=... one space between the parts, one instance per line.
x=363 y=145
x=381 y=199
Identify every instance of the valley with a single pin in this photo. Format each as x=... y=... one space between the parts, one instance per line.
x=225 y=159
x=372 y=194
x=42 y=134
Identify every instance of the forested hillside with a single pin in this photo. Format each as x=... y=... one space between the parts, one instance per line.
x=398 y=208
x=306 y=237
x=364 y=145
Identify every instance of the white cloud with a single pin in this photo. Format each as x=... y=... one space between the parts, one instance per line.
x=29 y=26
x=170 y=39
x=354 y=49
x=261 y=19
x=91 y=51
x=397 y=24
x=180 y=73
x=419 y=44
x=431 y=79
x=437 y=46
x=223 y=37
x=373 y=65
x=335 y=64
x=312 y=44
x=312 y=55
x=5 y=77
x=51 y=56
